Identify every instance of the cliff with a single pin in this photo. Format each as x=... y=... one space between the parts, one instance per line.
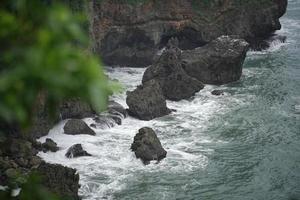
x=128 y=32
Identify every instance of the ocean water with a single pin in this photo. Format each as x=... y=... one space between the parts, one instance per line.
x=244 y=145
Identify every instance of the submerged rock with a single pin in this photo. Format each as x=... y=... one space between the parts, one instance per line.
x=147 y=146
x=77 y=127
x=218 y=62
x=168 y=72
x=76 y=151
x=147 y=101
x=60 y=180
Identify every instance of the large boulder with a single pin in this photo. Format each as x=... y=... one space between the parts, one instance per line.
x=77 y=127
x=147 y=101
x=174 y=81
x=218 y=62
x=60 y=180
x=147 y=146
x=130 y=34
x=76 y=151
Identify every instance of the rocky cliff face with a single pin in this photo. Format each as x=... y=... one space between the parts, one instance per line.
x=131 y=32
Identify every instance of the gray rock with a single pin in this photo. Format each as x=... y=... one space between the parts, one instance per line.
x=218 y=62
x=147 y=101
x=49 y=145
x=147 y=146
x=128 y=34
x=173 y=80
x=77 y=127
x=76 y=151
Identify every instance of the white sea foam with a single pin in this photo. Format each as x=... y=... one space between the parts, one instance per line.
x=113 y=163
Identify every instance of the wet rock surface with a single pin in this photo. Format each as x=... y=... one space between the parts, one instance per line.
x=147 y=146
x=128 y=34
x=77 y=127
x=76 y=151
x=175 y=83
x=49 y=145
x=147 y=101
x=218 y=62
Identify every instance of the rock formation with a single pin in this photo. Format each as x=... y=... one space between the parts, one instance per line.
x=77 y=127
x=147 y=101
x=218 y=62
x=147 y=146
x=130 y=34
x=173 y=80
x=76 y=151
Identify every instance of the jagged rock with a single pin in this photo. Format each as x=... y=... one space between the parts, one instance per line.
x=75 y=108
x=77 y=127
x=49 y=145
x=76 y=151
x=217 y=92
x=174 y=81
x=128 y=34
x=59 y=180
x=147 y=101
x=218 y=62
x=147 y=146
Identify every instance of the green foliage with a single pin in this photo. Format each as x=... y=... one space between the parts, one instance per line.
x=45 y=50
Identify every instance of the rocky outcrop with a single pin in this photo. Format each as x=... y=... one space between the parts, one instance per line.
x=76 y=151
x=49 y=145
x=130 y=33
x=147 y=101
x=147 y=146
x=218 y=62
x=77 y=127
x=60 y=180
x=173 y=80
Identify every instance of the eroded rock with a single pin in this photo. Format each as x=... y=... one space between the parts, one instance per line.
x=218 y=62
x=76 y=151
x=147 y=101
x=175 y=83
x=77 y=127
x=147 y=146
